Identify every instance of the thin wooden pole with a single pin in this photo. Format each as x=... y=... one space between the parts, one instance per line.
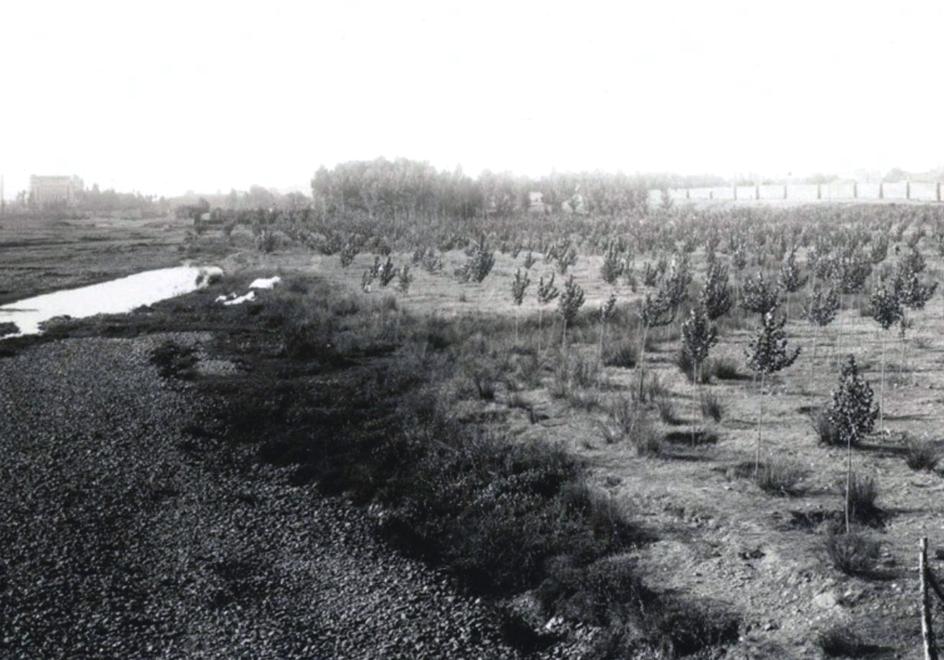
x=927 y=632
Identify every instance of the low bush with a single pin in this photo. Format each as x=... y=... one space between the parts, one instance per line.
x=667 y=412
x=922 y=455
x=863 y=494
x=622 y=353
x=841 y=641
x=779 y=477
x=825 y=430
x=852 y=554
x=633 y=425
x=173 y=360
x=712 y=407
x=724 y=369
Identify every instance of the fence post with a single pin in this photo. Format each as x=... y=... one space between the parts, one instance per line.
x=819 y=191
x=757 y=191
x=688 y=193
x=907 y=189
x=927 y=632
x=937 y=191
x=785 y=191
x=855 y=190
x=881 y=190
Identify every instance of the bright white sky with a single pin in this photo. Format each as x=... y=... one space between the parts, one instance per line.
x=164 y=96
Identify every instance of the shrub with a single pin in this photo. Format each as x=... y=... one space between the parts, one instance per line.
x=622 y=353
x=826 y=431
x=724 y=369
x=780 y=478
x=683 y=360
x=653 y=389
x=173 y=360
x=852 y=553
x=840 y=641
x=712 y=407
x=863 y=493
x=922 y=455
x=666 y=410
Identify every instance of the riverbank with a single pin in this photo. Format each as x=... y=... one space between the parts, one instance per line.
x=127 y=532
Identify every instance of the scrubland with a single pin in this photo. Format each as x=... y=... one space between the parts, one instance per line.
x=606 y=493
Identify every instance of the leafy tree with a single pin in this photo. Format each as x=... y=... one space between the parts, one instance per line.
x=547 y=292
x=790 y=279
x=698 y=336
x=404 y=278
x=612 y=266
x=759 y=295
x=568 y=305
x=657 y=311
x=479 y=265
x=607 y=310
x=716 y=295
x=519 y=285
x=852 y=413
x=767 y=353
x=885 y=306
x=820 y=311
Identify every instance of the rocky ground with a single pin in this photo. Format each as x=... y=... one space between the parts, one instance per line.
x=123 y=534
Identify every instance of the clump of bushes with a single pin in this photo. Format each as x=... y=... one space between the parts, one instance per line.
x=712 y=407
x=633 y=425
x=852 y=553
x=862 y=497
x=841 y=641
x=724 y=369
x=826 y=431
x=174 y=360
x=779 y=477
x=622 y=353
x=922 y=455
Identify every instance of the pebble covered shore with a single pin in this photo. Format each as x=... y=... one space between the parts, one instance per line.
x=125 y=535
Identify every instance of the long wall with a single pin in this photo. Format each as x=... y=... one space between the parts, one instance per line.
x=922 y=191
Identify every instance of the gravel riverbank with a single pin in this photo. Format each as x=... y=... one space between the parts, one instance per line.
x=123 y=535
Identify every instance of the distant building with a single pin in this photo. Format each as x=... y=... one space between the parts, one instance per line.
x=55 y=190
x=536 y=203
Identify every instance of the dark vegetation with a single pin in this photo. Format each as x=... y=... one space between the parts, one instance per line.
x=351 y=395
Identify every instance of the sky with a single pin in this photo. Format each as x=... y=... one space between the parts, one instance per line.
x=164 y=97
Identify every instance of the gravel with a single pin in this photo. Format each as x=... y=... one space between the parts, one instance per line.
x=123 y=535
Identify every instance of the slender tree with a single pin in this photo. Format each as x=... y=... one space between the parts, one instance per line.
x=759 y=295
x=885 y=307
x=767 y=353
x=519 y=285
x=698 y=336
x=568 y=305
x=790 y=279
x=606 y=313
x=852 y=411
x=547 y=292
x=716 y=294
x=820 y=311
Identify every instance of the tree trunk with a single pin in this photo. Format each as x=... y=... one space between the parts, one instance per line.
x=760 y=424
x=881 y=390
x=642 y=359
x=816 y=330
